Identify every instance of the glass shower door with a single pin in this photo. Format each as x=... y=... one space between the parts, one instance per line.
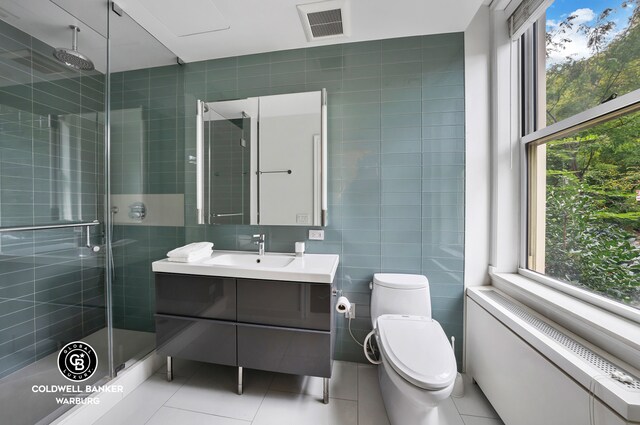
x=52 y=274
x=146 y=188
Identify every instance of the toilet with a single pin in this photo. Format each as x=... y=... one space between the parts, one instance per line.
x=418 y=368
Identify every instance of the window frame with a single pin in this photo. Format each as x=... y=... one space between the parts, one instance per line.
x=534 y=132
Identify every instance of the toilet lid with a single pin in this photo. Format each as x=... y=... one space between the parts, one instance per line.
x=400 y=281
x=418 y=350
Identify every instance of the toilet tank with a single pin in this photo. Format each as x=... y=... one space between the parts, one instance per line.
x=400 y=294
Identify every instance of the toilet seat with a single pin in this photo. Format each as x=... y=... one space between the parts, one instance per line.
x=418 y=350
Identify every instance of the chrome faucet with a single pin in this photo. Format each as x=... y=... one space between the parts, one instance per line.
x=259 y=240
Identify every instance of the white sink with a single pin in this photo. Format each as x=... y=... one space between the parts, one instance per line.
x=252 y=260
x=317 y=268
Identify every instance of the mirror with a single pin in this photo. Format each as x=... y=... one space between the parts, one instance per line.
x=262 y=160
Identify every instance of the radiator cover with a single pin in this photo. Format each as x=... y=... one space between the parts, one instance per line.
x=519 y=361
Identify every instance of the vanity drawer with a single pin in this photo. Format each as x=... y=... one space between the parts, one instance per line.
x=290 y=304
x=196 y=339
x=294 y=351
x=199 y=296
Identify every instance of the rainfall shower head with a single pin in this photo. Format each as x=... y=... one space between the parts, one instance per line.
x=72 y=57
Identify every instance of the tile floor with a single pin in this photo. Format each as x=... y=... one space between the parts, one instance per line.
x=204 y=394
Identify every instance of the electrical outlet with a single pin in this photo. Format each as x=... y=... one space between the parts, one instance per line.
x=352 y=312
x=316 y=235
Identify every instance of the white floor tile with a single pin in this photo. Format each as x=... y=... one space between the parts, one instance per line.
x=474 y=403
x=477 y=420
x=87 y=414
x=448 y=414
x=209 y=397
x=290 y=408
x=172 y=416
x=371 y=409
x=213 y=389
x=143 y=402
x=343 y=383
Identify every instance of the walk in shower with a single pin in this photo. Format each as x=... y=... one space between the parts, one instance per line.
x=71 y=269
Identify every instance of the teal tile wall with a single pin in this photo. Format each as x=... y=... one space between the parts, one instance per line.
x=151 y=162
x=51 y=170
x=396 y=167
x=396 y=162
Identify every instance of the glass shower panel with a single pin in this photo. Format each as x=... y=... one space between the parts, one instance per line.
x=147 y=189
x=52 y=280
x=227 y=173
x=74 y=179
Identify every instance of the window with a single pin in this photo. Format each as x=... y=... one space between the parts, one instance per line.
x=580 y=74
x=592 y=54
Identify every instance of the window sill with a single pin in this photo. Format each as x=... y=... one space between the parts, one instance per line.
x=614 y=334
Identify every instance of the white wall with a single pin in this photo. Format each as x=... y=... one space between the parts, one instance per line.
x=286 y=143
x=505 y=152
x=477 y=54
x=477 y=57
x=161 y=209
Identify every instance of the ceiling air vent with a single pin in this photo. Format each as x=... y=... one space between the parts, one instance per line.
x=326 y=19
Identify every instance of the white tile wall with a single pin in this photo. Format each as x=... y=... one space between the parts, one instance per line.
x=161 y=209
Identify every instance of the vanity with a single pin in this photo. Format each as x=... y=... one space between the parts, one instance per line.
x=259 y=161
x=270 y=312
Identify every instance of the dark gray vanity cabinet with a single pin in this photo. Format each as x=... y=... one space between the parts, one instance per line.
x=288 y=304
x=202 y=340
x=259 y=324
x=285 y=326
x=286 y=350
x=196 y=317
x=196 y=296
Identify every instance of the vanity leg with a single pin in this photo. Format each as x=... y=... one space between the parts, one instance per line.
x=169 y=368
x=239 y=380
x=325 y=390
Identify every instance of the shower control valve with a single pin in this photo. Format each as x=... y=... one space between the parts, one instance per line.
x=137 y=211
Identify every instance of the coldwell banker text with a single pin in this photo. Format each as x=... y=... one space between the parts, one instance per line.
x=74 y=394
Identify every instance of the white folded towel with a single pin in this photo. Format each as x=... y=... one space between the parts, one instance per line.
x=191 y=252
x=191 y=257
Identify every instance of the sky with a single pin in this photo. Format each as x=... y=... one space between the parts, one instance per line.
x=586 y=12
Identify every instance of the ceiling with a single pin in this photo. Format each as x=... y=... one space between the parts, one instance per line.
x=155 y=32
